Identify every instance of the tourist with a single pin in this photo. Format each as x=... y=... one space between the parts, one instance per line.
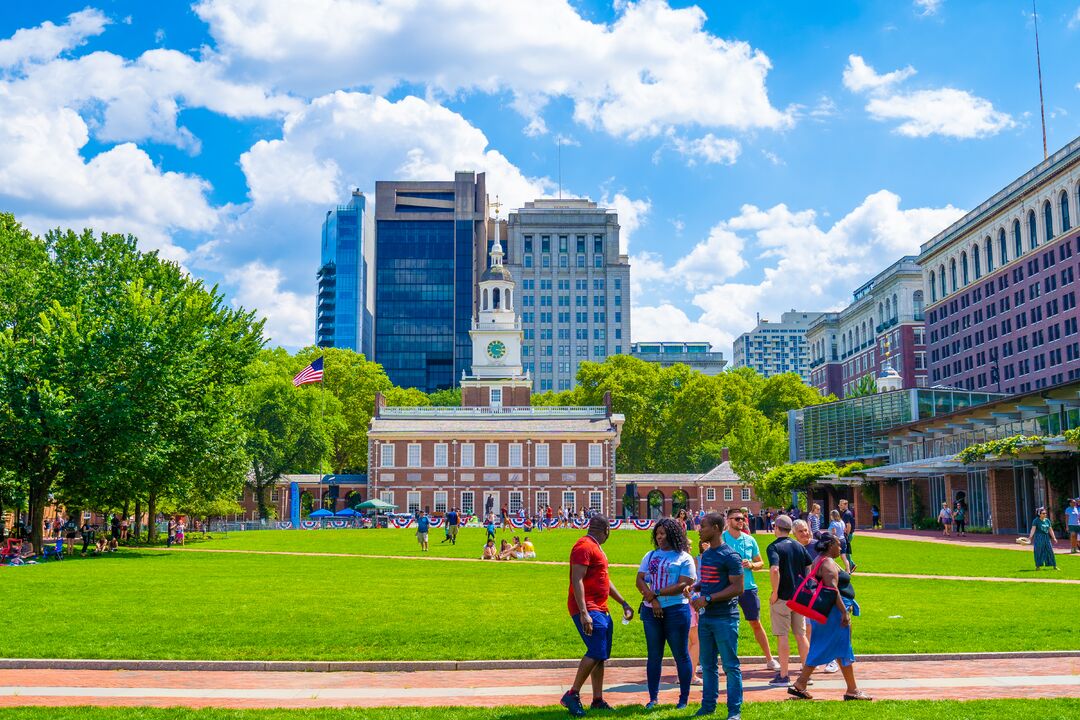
x=695 y=647
x=490 y=527
x=836 y=529
x=114 y=528
x=506 y=551
x=590 y=587
x=423 y=524
x=720 y=586
x=87 y=531
x=489 y=551
x=665 y=573
x=125 y=529
x=506 y=525
x=960 y=518
x=747 y=547
x=548 y=515
x=170 y=531
x=875 y=516
x=528 y=550
x=1042 y=532
x=788 y=564
x=945 y=518
x=814 y=520
x=180 y=530
x=1072 y=522
x=831 y=640
x=848 y=516
x=453 y=522
x=680 y=519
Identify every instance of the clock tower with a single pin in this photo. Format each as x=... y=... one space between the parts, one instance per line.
x=497 y=379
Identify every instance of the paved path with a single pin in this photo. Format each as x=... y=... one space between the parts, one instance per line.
x=950 y=679
x=908 y=576
x=997 y=542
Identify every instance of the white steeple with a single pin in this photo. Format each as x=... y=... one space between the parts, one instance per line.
x=496 y=331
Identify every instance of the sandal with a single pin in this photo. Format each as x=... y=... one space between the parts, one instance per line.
x=858 y=695
x=801 y=694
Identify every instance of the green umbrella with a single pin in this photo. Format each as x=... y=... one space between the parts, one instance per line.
x=376 y=504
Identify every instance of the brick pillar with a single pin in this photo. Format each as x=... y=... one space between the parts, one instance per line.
x=1001 y=489
x=863 y=518
x=890 y=510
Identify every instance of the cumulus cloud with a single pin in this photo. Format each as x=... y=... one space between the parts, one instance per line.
x=803 y=264
x=632 y=215
x=48 y=40
x=652 y=68
x=289 y=315
x=948 y=112
x=667 y=323
x=708 y=149
x=928 y=7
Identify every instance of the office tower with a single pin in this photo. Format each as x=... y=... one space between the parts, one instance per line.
x=342 y=314
x=773 y=348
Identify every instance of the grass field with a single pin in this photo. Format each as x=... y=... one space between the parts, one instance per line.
x=884 y=710
x=878 y=555
x=166 y=604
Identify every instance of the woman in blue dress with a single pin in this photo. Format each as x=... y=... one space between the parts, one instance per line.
x=1042 y=537
x=831 y=640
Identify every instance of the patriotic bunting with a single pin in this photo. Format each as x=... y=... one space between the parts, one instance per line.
x=309 y=524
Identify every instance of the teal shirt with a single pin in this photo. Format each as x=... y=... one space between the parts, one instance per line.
x=747 y=548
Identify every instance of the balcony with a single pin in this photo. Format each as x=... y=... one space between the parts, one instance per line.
x=588 y=411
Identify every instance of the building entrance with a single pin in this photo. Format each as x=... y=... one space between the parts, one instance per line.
x=1030 y=495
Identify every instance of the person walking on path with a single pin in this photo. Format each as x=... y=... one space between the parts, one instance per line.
x=590 y=587
x=960 y=519
x=451 y=526
x=742 y=542
x=836 y=529
x=875 y=516
x=1042 y=532
x=831 y=640
x=814 y=520
x=170 y=532
x=1072 y=522
x=720 y=586
x=665 y=573
x=789 y=563
x=945 y=517
x=848 y=516
x=423 y=524
x=490 y=527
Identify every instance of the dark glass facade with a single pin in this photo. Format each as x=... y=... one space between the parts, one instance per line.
x=342 y=319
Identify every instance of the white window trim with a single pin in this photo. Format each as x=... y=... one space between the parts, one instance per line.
x=596 y=500
x=515 y=500
x=545 y=450
x=470 y=461
x=515 y=449
x=572 y=504
x=444 y=450
x=596 y=455
x=746 y=494
x=569 y=452
x=444 y=497
x=387 y=496
x=729 y=494
x=471 y=507
x=386 y=455
x=543 y=499
x=710 y=494
x=488 y=447
x=413 y=455
x=409 y=501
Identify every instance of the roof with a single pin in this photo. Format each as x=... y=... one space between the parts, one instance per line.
x=497 y=272
x=721 y=474
x=494 y=427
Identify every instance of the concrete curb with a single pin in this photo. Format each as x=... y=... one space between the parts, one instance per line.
x=440 y=665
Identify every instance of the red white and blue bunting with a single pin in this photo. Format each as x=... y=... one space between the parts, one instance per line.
x=642 y=524
x=309 y=524
x=437 y=522
x=401 y=521
x=284 y=525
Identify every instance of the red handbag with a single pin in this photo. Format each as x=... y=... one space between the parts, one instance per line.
x=813 y=599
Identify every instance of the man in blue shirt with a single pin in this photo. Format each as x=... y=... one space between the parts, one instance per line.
x=1072 y=522
x=718 y=627
x=451 y=526
x=423 y=524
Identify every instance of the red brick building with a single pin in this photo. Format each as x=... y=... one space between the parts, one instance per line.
x=655 y=495
x=495 y=450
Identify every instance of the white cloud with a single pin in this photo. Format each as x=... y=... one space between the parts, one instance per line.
x=667 y=323
x=632 y=215
x=289 y=315
x=928 y=7
x=773 y=158
x=652 y=68
x=803 y=264
x=709 y=149
x=47 y=41
x=943 y=111
x=1074 y=19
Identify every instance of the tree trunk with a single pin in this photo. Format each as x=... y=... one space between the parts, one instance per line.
x=151 y=519
x=260 y=499
x=137 y=530
x=39 y=495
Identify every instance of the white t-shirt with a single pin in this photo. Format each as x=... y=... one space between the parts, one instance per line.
x=663 y=568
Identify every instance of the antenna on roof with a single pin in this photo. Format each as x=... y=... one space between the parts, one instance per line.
x=1038 y=64
x=558 y=142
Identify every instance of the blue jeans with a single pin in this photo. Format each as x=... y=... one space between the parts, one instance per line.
x=674 y=629
x=720 y=636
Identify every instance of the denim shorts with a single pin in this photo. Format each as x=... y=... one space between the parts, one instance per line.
x=750 y=604
x=597 y=645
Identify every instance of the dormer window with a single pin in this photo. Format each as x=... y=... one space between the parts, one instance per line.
x=496 y=398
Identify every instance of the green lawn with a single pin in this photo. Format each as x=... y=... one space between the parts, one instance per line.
x=884 y=710
x=878 y=555
x=162 y=604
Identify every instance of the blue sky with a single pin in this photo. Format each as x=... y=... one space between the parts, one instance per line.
x=762 y=155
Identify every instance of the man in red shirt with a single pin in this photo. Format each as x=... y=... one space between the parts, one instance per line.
x=590 y=587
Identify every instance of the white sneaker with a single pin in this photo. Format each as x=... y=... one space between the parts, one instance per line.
x=832 y=667
x=696 y=680
x=773 y=664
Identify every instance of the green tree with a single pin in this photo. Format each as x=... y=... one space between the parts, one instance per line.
x=784 y=392
x=406 y=397
x=450 y=397
x=776 y=486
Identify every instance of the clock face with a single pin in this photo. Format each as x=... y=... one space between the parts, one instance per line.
x=496 y=349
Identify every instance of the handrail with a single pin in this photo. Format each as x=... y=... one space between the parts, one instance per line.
x=540 y=411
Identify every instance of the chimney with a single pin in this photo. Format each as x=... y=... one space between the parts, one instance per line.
x=607 y=401
x=380 y=402
x=724 y=455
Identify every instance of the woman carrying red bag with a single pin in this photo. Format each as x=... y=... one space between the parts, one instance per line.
x=831 y=640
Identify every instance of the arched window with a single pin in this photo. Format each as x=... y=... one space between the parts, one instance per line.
x=933 y=286
x=989 y=255
x=952 y=273
x=485 y=300
x=1003 y=247
x=977 y=261
x=941 y=279
x=917 y=303
x=1033 y=230
x=1018 y=245
x=885 y=313
x=895 y=307
x=1065 y=225
x=509 y=299
x=964 y=268
x=1048 y=220
x=495 y=299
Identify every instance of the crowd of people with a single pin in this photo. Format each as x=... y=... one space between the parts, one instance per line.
x=692 y=605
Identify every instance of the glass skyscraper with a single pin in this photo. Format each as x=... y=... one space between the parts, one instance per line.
x=342 y=317
x=430 y=240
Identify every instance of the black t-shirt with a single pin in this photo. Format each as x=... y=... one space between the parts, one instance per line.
x=849 y=518
x=792 y=559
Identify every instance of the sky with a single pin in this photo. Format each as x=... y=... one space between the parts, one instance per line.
x=761 y=156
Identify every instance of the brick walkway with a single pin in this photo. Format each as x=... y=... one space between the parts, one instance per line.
x=999 y=542
x=910 y=680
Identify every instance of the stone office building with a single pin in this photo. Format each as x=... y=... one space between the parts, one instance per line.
x=495 y=450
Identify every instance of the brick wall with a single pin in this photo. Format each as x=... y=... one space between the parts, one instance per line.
x=1001 y=488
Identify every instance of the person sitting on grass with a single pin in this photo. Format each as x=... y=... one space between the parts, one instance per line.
x=528 y=551
x=510 y=552
x=489 y=551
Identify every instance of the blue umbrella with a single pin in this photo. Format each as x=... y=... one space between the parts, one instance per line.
x=321 y=513
x=346 y=512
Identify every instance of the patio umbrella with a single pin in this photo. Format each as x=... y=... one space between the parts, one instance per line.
x=376 y=504
x=346 y=512
x=321 y=513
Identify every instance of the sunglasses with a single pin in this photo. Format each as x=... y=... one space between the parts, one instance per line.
x=737 y=519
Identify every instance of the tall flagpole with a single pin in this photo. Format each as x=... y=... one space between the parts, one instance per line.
x=1038 y=64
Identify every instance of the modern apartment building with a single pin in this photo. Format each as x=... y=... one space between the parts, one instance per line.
x=697 y=355
x=1002 y=285
x=773 y=348
x=574 y=285
x=430 y=249
x=342 y=314
x=882 y=327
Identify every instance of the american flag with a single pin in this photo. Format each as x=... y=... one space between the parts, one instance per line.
x=312 y=373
